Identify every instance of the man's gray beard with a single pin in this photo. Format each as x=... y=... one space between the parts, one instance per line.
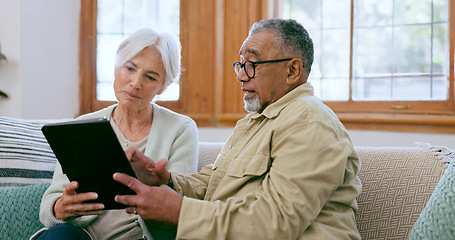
x=252 y=104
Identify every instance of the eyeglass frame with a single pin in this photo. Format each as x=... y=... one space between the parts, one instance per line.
x=254 y=63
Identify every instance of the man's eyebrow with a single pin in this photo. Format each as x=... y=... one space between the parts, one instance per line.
x=252 y=51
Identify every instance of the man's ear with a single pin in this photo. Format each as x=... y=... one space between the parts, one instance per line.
x=295 y=71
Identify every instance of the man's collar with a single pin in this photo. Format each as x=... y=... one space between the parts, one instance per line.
x=275 y=108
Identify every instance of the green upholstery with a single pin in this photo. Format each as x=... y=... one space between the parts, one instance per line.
x=437 y=220
x=19 y=211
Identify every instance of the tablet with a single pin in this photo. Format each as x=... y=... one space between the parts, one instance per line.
x=90 y=153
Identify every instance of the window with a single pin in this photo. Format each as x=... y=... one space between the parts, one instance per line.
x=116 y=20
x=378 y=64
x=399 y=48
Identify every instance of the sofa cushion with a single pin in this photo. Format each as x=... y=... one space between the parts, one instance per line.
x=208 y=152
x=397 y=183
x=19 y=209
x=25 y=156
x=437 y=220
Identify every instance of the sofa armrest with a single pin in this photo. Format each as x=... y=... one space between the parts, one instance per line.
x=396 y=184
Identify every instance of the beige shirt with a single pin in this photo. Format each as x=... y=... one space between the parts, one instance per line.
x=288 y=173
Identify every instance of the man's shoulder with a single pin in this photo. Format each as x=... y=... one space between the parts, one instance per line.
x=306 y=110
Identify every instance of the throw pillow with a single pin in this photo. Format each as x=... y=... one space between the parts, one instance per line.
x=437 y=220
x=25 y=156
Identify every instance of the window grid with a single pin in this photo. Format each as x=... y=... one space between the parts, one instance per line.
x=150 y=13
x=395 y=75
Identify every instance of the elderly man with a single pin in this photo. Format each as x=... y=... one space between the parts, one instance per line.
x=288 y=171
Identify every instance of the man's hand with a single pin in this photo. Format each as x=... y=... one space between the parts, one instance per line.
x=71 y=204
x=146 y=170
x=160 y=204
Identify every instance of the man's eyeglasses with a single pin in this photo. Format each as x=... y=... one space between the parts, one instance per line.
x=250 y=66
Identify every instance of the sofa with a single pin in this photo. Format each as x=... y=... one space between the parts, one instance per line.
x=407 y=191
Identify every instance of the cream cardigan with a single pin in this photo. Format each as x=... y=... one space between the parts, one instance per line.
x=172 y=136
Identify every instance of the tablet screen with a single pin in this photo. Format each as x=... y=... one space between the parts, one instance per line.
x=90 y=153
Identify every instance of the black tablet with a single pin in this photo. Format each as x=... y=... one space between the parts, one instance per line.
x=90 y=153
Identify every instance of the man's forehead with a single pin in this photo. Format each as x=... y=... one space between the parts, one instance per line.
x=256 y=43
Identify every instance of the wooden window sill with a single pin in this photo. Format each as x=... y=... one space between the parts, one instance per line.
x=399 y=122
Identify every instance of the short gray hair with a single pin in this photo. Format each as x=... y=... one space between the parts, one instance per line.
x=291 y=38
x=167 y=46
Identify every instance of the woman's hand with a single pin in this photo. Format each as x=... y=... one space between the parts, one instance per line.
x=71 y=204
x=147 y=171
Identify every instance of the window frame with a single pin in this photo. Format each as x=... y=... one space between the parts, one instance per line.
x=87 y=63
x=220 y=100
x=413 y=116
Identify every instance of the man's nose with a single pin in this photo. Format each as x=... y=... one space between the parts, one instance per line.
x=241 y=76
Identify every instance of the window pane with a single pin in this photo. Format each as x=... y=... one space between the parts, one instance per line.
x=106 y=55
x=335 y=89
x=440 y=86
x=412 y=49
x=372 y=88
x=411 y=88
x=372 y=52
x=328 y=23
x=110 y=16
x=412 y=11
x=335 y=53
x=336 y=14
x=308 y=12
x=440 y=13
x=373 y=13
x=117 y=19
x=407 y=51
x=131 y=21
x=440 y=48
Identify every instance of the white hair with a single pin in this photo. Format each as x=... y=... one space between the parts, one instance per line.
x=167 y=46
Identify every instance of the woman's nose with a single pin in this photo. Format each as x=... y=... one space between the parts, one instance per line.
x=135 y=81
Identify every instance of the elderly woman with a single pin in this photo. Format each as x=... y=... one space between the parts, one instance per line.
x=147 y=62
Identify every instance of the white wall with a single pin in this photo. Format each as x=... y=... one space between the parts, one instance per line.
x=40 y=39
x=358 y=137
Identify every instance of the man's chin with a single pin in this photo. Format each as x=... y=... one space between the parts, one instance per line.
x=252 y=105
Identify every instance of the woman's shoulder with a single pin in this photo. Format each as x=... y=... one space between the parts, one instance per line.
x=105 y=112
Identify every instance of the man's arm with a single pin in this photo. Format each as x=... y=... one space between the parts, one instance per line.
x=305 y=181
x=305 y=173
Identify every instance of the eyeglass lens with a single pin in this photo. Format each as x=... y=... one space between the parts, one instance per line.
x=248 y=66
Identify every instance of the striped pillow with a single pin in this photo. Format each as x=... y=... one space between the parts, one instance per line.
x=25 y=156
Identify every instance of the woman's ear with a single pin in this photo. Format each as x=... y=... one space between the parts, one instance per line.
x=295 y=70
